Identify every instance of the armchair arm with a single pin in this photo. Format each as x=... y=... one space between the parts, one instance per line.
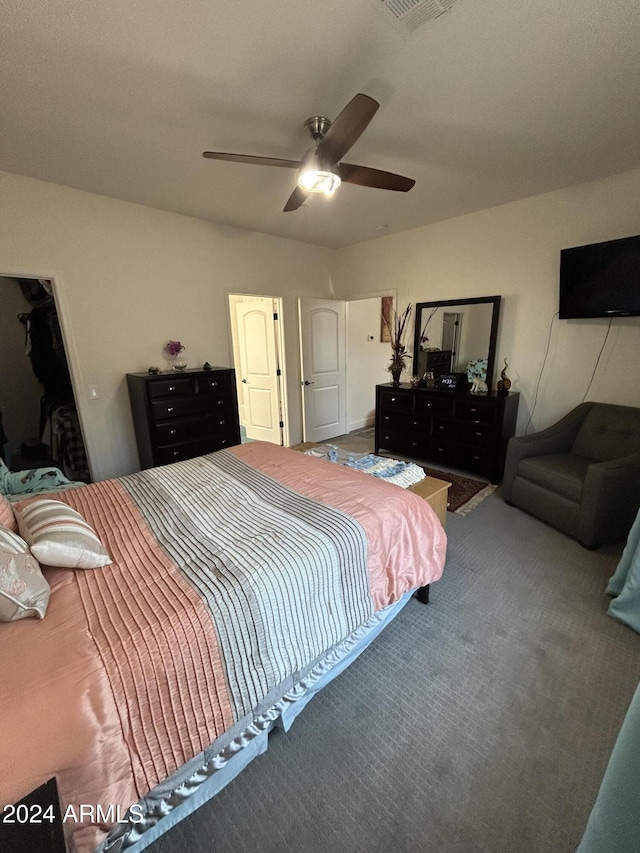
x=557 y=438
x=610 y=500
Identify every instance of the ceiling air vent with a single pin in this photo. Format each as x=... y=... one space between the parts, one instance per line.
x=408 y=15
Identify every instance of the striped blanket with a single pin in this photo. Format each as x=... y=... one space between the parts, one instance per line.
x=282 y=576
x=233 y=578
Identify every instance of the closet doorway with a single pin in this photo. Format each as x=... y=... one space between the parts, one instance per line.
x=39 y=424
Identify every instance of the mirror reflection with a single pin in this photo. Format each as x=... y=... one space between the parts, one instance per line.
x=456 y=337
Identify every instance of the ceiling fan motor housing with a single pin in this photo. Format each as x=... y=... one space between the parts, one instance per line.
x=317 y=126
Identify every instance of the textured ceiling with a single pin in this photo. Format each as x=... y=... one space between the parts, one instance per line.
x=493 y=101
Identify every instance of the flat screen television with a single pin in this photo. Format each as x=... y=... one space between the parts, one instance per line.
x=601 y=280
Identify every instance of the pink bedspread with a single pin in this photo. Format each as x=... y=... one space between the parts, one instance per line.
x=126 y=679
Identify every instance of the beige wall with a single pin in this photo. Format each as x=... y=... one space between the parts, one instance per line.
x=366 y=361
x=128 y=278
x=513 y=250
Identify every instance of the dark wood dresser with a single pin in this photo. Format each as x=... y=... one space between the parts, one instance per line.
x=179 y=415
x=462 y=430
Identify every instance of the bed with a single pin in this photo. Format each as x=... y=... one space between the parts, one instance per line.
x=241 y=582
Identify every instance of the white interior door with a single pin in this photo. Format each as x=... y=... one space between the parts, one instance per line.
x=259 y=370
x=323 y=359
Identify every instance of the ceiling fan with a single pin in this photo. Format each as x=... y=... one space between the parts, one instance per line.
x=321 y=169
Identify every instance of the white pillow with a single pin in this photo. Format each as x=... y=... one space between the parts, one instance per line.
x=23 y=590
x=59 y=536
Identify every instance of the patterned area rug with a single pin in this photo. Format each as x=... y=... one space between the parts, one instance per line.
x=465 y=494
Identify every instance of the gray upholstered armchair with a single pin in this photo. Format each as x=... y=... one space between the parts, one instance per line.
x=582 y=475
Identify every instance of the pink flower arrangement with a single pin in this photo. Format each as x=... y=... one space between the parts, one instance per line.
x=174 y=348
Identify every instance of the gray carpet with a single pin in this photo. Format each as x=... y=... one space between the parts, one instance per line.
x=480 y=722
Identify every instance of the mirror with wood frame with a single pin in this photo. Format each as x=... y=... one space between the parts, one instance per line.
x=456 y=336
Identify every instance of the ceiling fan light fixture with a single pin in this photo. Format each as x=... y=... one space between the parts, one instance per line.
x=318 y=181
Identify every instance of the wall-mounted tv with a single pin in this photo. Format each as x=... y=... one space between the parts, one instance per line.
x=600 y=280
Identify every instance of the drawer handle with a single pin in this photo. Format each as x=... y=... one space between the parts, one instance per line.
x=414 y=444
x=176 y=453
x=173 y=431
x=386 y=437
x=214 y=384
x=393 y=399
x=224 y=441
x=478 y=434
x=222 y=422
x=473 y=409
x=169 y=408
x=172 y=387
x=476 y=458
x=221 y=402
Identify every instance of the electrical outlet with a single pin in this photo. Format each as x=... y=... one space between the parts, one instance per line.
x=93 y=392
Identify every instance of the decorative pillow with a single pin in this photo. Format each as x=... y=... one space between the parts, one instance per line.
x=59 y=536
x=7 y=518
x=10 y=542
x=23 y=590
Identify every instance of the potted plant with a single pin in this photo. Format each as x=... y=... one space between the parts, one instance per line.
x=397 y=325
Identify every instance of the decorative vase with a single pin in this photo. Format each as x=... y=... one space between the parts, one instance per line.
x=396 y=372
x=179 y=363
x=504 y=383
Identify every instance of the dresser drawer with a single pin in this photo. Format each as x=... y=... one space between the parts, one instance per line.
x=162 y=410
x=433 y=405
x=476 y=410
x=172 y=387
x=463 y=432
x=186 y=429
x=200 y=404
x=214 y=384
x=476 y=434
x=476 y=459
x=406 y=442
x=439 y=362
x=396 y=400
x=198 y=447
x=388 y=419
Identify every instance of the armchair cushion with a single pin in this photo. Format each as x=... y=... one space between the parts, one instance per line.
x=560 y=473
x=608 y=432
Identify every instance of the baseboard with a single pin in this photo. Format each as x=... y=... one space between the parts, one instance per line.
x=363 y=424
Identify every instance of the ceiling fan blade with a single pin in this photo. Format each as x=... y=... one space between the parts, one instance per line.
x=347 y=127
x=297 y=197
x=366 y=177
x=250 y=159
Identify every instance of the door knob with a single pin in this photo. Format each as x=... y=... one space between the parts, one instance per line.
x=306 y=382
x=245 y=381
